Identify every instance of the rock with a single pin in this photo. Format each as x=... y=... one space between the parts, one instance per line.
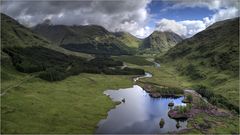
x=147 y=88
x=185 y=100
x=171 y=104
x=123 y=100
x=155 y=95
x=174 y=114
x=178 y=125
x=161 y=123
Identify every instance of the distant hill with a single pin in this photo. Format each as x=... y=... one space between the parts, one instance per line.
x=160 y=42
x=128 y=39
x=91 y=39
x=211 y=56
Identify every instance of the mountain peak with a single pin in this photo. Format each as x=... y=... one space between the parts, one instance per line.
x=161 y=41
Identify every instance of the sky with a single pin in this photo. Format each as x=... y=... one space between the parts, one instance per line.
x=138 y=17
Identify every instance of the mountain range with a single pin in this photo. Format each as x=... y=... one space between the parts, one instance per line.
x=95 y=39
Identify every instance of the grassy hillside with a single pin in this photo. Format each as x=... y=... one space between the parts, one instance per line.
x=129 y=40
x=32 y=54
x=32 y=103
x=160 y=42
x=88 y=39
x=14 y=34
x=210 y=58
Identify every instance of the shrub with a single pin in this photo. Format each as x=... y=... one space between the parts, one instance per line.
x=52 y=75
x=182 y=109
x=57 y=66
x=202 y=105
x=161 y=123
x=169 y=91
x=189 y=98
x=216 y=99
x=193 y=72
x=189 y=106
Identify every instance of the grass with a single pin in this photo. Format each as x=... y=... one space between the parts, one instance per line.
x=137 y=60
x=218 y=125
x=166 y=76
x=220 y=83
x=210 y=58
x=74 y=105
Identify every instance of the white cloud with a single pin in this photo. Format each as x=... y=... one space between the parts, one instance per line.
x=125 y=15
x=224 y=9
x=222 y=14
x=171 y=25
x=193 y=26
x=210 y=4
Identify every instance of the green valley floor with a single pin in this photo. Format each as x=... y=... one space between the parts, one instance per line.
x=77 y=104
x=74 y=105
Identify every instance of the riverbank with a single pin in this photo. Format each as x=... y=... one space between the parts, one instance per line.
x=167 y=76
x=74 y=105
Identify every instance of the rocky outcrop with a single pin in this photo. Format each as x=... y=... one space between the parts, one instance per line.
x=175 y=114
x=155 y=95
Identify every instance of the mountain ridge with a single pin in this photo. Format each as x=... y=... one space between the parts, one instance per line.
x=91 y=39
x=210 y=57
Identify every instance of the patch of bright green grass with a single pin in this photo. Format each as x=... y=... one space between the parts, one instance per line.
x=74 y=105
x=218 y=125
x=166 y=76
x=136 y=60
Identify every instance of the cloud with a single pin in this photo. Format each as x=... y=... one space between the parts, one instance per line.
x=126 y=15
x=224 y=9
x=188 y=28
x=210 y=4
x=222 y=14
x=171 y=25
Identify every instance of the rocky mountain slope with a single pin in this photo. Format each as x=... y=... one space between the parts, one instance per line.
x=160 y=42
x=129 y=39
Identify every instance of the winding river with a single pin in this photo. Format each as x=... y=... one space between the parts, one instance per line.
x=139 y=113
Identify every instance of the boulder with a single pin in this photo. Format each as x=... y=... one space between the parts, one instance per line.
x=171 y=104
x=174 y=114
x=155 y=95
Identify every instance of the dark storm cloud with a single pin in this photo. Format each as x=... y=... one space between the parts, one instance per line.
x=126 y=15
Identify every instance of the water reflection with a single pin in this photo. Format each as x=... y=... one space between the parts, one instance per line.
x=140 y=113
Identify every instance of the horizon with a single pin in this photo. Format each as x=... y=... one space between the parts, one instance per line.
x=139 y=18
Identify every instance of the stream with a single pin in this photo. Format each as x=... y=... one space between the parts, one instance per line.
x=139 y=113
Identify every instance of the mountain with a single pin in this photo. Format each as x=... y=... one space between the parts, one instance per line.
x=91 y=39
x=210 y=57
x=27 y=52
x=128 y=39
x=14 y=34
x=160 y=41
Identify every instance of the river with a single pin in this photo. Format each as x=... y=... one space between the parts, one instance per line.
x=139 y=113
